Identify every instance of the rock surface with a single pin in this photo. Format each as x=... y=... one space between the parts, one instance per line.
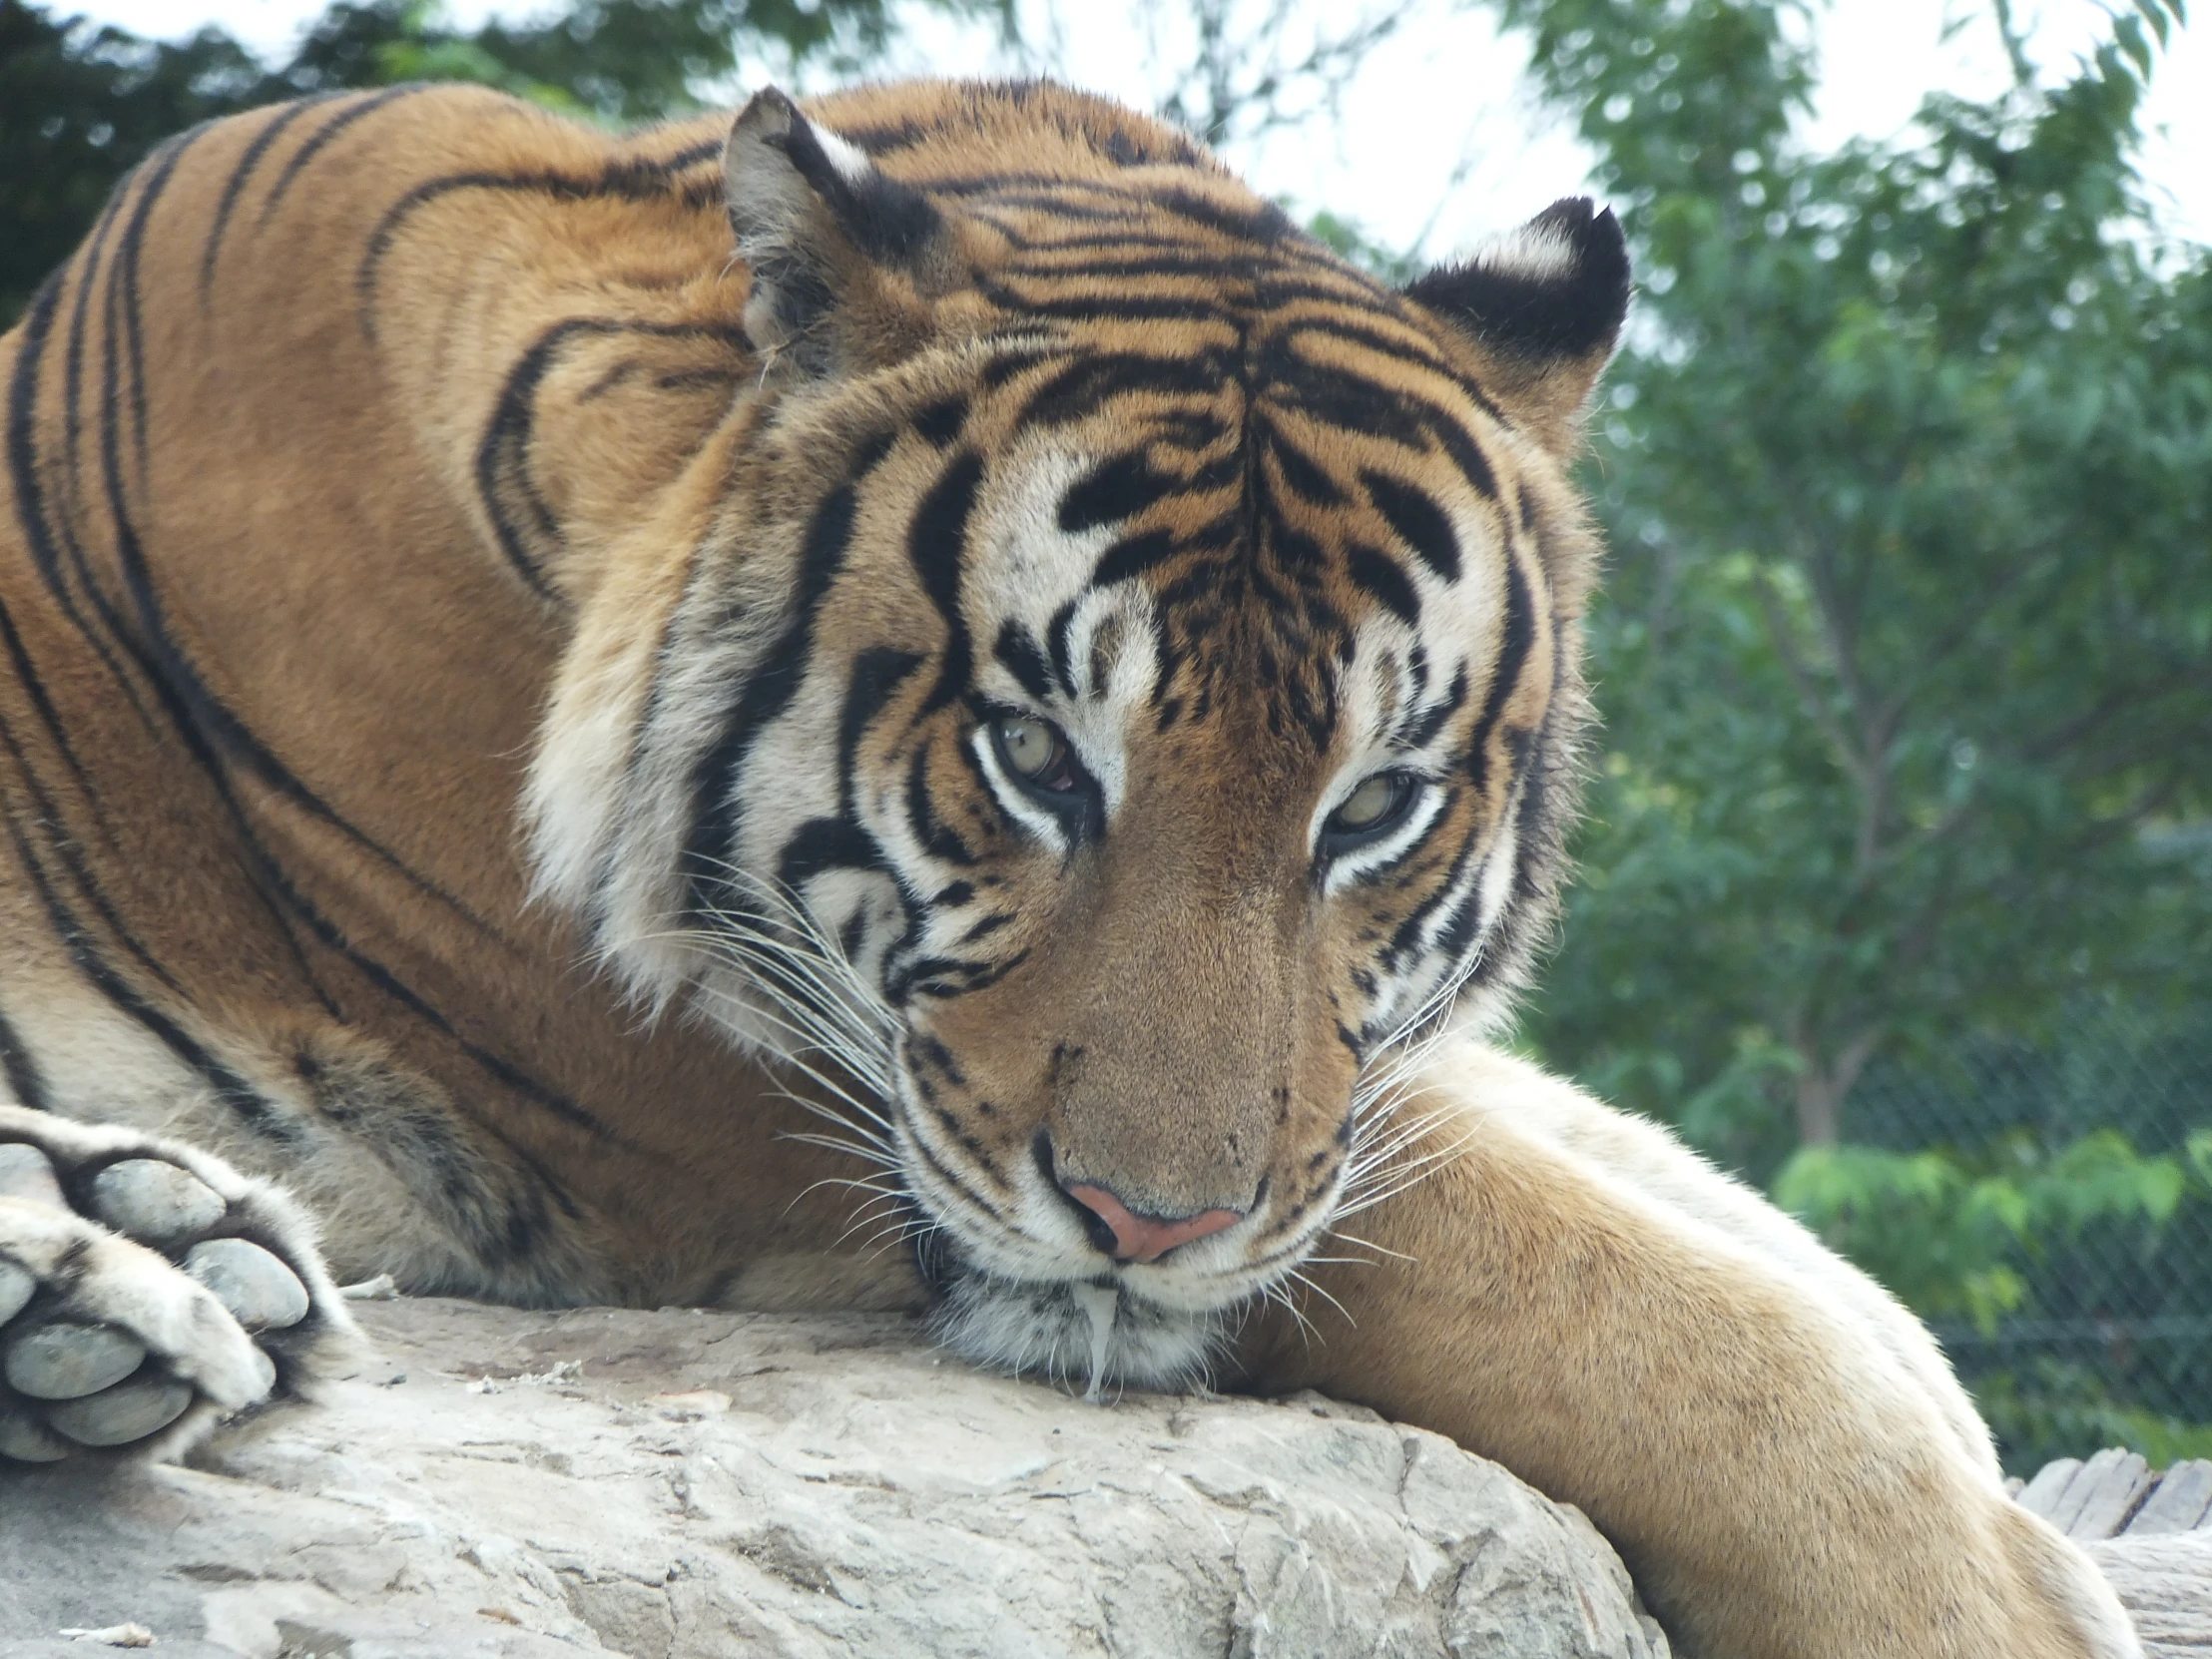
x=663 y=1485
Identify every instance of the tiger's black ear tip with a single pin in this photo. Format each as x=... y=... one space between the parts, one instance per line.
x=1556 y=288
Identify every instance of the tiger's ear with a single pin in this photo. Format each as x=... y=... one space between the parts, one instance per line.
x=1546 y=303
x=822 y=231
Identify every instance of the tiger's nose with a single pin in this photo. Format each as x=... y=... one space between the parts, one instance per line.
x=1128 y=1237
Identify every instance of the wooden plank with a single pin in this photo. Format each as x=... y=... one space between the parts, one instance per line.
x=2183 y=1501
x=2086 y=1480
x=2104 y=1495
x=2040 y=1495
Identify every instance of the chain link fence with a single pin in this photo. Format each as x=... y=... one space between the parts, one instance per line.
x=2111 y=1342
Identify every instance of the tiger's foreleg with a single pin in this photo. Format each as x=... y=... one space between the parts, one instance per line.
x=146 y=1289
x=1778 y=1450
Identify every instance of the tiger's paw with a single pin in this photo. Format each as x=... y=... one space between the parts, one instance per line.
x=147 y=1291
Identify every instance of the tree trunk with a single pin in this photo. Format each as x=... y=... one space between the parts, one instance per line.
x=1821 y=1088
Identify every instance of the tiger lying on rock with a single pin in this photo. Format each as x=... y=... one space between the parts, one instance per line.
x=541 y=666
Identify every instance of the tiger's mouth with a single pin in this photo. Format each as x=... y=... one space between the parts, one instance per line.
x=1101 y=1333
x=1018 y=1285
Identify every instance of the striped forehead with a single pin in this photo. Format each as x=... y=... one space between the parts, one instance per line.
x=1305 y=521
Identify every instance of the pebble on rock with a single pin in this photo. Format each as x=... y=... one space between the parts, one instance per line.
x=154 y=1201
x=125 y=1412
x=25 y=1173
x=261 y=1291
x=66 y=1361
x=16 y=1288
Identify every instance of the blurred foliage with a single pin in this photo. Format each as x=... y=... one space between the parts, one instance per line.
x=1906 y=673
x=1907 y=661
x=80 y=105
x=2050 y=1409
x=1945 y=1232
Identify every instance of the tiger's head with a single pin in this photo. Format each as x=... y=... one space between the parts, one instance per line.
x=1124 y=691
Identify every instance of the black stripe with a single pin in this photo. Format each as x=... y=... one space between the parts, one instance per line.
x=192 y=706
x=505 y=452
x=824 y=844
x=1096 y=307
x=1520 y=634
x=1414 y=351
x=1056 y=642
x=1337 y=395
x=29 y=502
x=1077 y=391
x=935 y=837
x=627 y=179
x=1406 y=939
x=321 y=137
x=988 y=926
x=1132 y=556
x=1466 y=455
x=1378 y=576
x=240 y=172
x=1532 y=831
x=385 y=980
x=937 y=545
x=1017 y=649
x=103 y=642
x=767 y=693
x=939 y=423
x=1175 y=261
x=876 y=672
x=1260 y=221
x=1422 y=727
x=946 y=977
x=1419 y=521
x=228 y=1087
x=1116 y=489
x=1301 y=475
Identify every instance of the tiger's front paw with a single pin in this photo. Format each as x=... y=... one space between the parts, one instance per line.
x=146 y=1291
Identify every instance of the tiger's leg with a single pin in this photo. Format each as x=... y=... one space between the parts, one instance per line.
x=1776 y=1448
x=136 y=1181
x=146 y=1289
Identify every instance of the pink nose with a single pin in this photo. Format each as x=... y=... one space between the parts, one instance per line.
x=1148 y=1238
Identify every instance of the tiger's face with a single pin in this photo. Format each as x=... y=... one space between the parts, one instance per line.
x=1126 y=696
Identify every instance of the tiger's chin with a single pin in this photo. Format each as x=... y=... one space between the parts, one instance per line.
x=1092 y=1333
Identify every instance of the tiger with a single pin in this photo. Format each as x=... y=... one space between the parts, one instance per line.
x=909 y=702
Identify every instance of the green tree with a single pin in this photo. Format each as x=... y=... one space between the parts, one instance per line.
x=80 y=105
x=1907 y=661
x=1907 y=668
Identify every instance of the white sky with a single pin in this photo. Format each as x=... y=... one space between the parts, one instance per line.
x=1439 y=140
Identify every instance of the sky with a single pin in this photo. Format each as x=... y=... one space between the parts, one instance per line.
x=1437 y=140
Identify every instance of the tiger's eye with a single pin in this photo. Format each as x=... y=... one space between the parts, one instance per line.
x=1371 y=803
x=1030 y=746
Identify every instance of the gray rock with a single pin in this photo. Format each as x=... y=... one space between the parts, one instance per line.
x=2165 y=1582
x=665 y=1486
x=154 y=1202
